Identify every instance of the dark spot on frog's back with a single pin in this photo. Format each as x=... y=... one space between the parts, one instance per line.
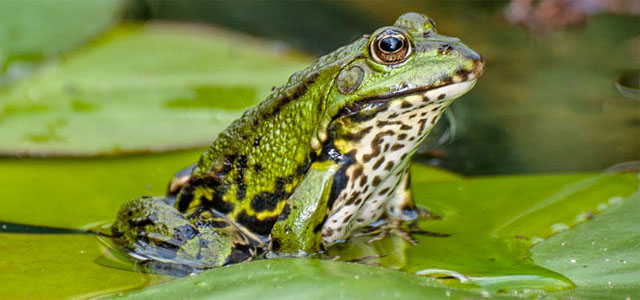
x=261 y=227
x=217 y=203
x=265 y=201
x=358 y=135
x=445 y=49
x=268 y=201
x=357 y=172
x=187 y=193
x=378 y=163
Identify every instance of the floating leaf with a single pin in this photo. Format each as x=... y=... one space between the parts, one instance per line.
x=492 y=222
x=72 y=193
x=139 y=89
x=301 y=279
x=33 y=29
x=41 y=266
x=602 y=256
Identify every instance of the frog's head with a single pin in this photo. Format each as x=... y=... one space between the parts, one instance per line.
x=400 y=70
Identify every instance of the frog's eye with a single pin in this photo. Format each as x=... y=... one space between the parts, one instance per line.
x=390 y=47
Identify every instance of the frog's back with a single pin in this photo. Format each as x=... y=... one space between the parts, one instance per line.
x=255 y=164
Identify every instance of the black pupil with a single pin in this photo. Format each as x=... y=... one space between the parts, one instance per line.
x=391 y=44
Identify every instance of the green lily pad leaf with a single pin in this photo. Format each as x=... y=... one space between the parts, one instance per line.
x=33 y=29
x=141 y=88
x=301 y=279
x=41 y=266
x=602 y=256
x=486 y=252
x=491 y=223
x=74 y=193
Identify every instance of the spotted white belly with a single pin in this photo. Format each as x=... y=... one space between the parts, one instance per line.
x=377 y=184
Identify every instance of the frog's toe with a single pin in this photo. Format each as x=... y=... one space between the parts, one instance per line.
x=425 y=213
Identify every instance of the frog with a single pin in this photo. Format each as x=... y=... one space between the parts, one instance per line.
x=326 y=155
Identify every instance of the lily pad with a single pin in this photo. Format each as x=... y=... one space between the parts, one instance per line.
x=35 y=29
x=491 y=221
x=302 y=279
x=74 y=193
x=77 y=193
x=43 y=266
x=602 y=256
x=141 y=88
x=487 y=253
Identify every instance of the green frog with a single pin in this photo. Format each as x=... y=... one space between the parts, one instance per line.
x=326 y=155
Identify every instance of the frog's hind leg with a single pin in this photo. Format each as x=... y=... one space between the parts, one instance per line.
x=150 y=230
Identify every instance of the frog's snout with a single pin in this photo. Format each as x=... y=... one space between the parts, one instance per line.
x=471 y=63
x=478 y=66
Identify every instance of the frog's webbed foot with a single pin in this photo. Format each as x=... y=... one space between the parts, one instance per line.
x=150 y=230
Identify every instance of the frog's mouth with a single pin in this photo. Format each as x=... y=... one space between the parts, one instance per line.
x=446 y=91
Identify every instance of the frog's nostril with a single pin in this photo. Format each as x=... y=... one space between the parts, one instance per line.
x=445 y=49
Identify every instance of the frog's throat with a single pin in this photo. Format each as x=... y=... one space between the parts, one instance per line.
x=444 y=92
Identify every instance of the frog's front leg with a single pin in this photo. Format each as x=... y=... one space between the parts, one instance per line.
x=149 y=229
x=401 y=212
x=401 y=207
x=298 y=229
